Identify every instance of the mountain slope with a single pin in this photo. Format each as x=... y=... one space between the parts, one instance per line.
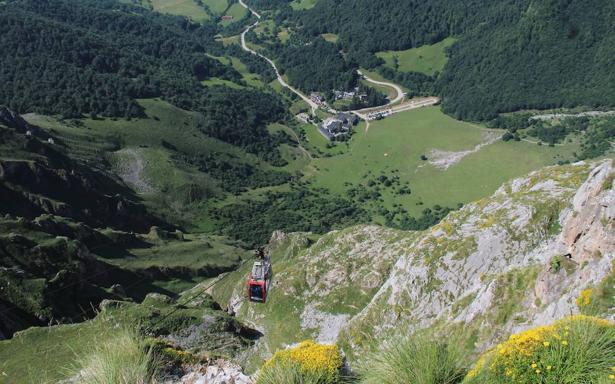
x=509 y=54
x=535 y=244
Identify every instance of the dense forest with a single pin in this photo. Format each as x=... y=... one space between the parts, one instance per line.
x=555 y=54
x=98 y=57
x=368 y=26
x=311 y=64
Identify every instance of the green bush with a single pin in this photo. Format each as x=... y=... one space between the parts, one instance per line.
x=123 y=359
x=419 y=359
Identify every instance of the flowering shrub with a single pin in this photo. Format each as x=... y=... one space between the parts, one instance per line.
x=577 y=349
x=584 y=298
x=308 y=362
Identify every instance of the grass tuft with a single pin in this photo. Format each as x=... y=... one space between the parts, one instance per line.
x=123 y=359
x=419 y=359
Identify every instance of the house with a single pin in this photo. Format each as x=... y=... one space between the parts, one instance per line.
x=317 y=98
x=345 y=95
x=339 y=127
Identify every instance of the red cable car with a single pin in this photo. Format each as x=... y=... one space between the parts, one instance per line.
x=259 y=281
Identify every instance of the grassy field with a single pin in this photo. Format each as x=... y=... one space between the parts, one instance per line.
x=390 y=92
x=394 y=146
x=378 y=77
x=330 y=37
x=90 y=140
x=237 y=12
x=188 y=8
x=284 y=35
x=44 y=356
x=193 y=259
x=427 y=59
x=216 y=6
x=226 y=41
x=303 y=4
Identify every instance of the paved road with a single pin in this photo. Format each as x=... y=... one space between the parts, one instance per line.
x=397 y=88
x=245 y=47
x=410 y=104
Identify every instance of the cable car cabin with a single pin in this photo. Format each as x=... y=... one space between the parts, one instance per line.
x=258 y=282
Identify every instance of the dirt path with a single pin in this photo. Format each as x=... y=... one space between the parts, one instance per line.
x=446 y=159
x=543 y=143
x=130 y=169
x=552 y=116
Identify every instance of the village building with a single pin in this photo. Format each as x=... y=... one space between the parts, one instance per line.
x=339 y=127
x=347 y=95
x=317 y=98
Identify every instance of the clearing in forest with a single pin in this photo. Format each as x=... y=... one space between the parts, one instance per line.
x=426 y=59
x=188 y=8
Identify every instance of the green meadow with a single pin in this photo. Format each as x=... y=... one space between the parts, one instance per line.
x=216 y=6
x=45 y=355
x=303 y=4
x=236 y=11
x=394 y=146
x=427 y=59
x=188 y=8
x=330 y=37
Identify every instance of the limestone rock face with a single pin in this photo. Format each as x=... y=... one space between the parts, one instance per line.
x=516 y=259
x=516 y=241
x=221 y=372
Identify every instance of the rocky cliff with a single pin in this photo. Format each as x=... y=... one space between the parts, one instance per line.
x=510 y=261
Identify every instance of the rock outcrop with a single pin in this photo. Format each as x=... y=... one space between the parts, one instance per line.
x=504 y=263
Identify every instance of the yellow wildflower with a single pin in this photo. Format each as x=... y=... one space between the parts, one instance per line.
x=311 y=357
x=584 y=298
x=534 y=365
x=564 y=342
x=546 y=343
x=538 y=371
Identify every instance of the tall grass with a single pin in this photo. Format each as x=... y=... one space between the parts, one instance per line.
x=418 y=359
x=123 y=359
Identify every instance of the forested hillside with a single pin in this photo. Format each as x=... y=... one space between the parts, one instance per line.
x=97 y=57
x=555 y=54
x=510 y=54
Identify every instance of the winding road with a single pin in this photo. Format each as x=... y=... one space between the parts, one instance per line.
x=397 y=88
x=412 y=104
x=281 y=80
